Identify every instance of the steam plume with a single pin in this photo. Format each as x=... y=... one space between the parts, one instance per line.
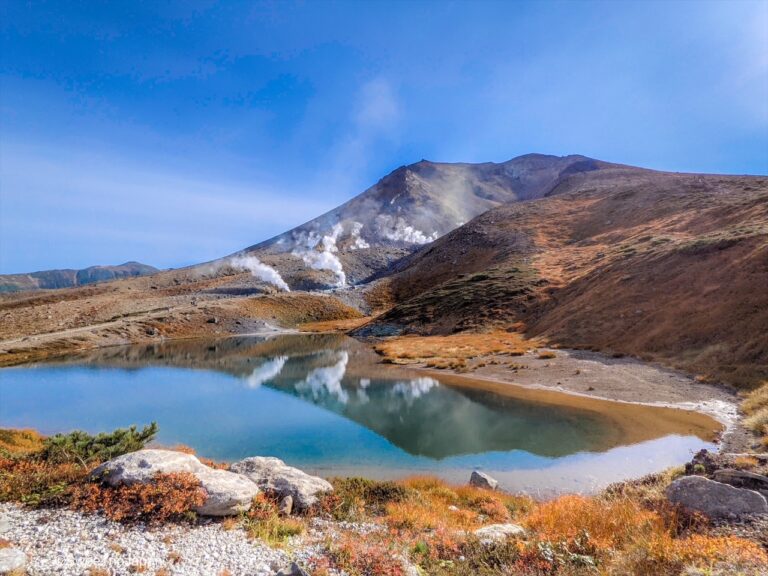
x=259 y=270
x=358 y=243
x=398 y=230
x=320 y=253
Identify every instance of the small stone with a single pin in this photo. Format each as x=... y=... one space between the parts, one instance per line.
x=482 y=480
x=742 y=479
x=292 y=570
x=286 y=505
x=11 y=559
x=5 y=525
x=499 y=532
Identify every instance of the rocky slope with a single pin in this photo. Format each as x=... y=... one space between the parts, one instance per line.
x=669 y=267
x=67 y=278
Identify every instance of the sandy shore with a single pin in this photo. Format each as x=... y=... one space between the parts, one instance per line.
x=623 y=381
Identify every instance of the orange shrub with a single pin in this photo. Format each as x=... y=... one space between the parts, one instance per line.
x=20 y=442
x=366 y=555
x=745 y=463
x=36 y=482
x=168 y=497
x=609 y=523
x=662 y=554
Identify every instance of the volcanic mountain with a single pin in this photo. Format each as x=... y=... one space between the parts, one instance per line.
x=412 y=206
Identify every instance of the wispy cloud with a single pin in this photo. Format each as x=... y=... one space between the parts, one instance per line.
x=374 y=122
x=105 y=208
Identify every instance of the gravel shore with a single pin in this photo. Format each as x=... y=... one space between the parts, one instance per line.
x=62 y=542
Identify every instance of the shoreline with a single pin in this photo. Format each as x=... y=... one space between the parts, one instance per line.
x=717 y=402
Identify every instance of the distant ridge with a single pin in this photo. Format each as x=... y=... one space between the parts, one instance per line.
x=67 y=278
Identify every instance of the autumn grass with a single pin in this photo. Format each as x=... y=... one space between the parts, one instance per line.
x=263 y=521
x=294 y=308
x=20 y=442
x=429 y=523
x=343 y=325
x=453 y=350
x=755 y=406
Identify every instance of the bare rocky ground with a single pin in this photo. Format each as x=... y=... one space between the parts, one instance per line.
x=67 y=543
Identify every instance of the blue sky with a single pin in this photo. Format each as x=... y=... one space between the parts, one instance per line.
x=177 y=132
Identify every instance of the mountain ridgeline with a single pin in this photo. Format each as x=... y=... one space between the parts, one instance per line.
x=68 y=278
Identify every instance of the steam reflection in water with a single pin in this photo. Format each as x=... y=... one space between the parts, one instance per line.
x=322 y=402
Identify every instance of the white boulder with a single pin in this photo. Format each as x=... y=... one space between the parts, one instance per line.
x=228 y=493
x=499 y=532
x=142 y=465
x=12 y=560
x=274 y=475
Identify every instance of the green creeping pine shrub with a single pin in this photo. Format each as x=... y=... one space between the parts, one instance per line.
x=79 y=447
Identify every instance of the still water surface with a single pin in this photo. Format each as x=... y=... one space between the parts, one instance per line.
x=322 y=403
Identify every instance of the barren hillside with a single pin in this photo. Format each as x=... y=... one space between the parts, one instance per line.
x=669 y=267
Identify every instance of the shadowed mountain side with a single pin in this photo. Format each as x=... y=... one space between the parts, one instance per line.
x=669 y=267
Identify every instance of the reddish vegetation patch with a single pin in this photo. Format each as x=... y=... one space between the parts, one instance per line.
x=168 y=497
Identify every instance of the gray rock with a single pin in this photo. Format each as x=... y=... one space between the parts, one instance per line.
x=293 y=570
x=273 y=475
x=5 y=525
x=482 y=480
x=499 y=532
x=11 y=559
x=228 y=493
x=742 y=479
x=715 y=499
x=141 y=466
x=286 y=505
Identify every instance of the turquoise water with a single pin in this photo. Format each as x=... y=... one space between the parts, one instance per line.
x=322 y=403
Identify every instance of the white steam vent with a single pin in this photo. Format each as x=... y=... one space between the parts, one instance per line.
x=358 y=243
x=320 y=253
x=398 y=230
x=260 y=270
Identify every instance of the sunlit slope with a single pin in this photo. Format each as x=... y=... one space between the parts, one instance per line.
x=671 y=267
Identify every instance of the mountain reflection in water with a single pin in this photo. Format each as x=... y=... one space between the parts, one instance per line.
x=321 y=401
